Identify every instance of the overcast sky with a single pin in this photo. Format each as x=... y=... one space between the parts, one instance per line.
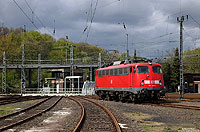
x=151 y=25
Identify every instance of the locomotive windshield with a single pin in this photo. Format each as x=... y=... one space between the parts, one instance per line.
x=157 y=69
x=142 y=69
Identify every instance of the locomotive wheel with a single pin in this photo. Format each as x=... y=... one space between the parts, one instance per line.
x=116 y=98
x=138 y=99
x=132 y=98
x=102 y=97
x=108 y=97
x=121 y=98
x=156 y=96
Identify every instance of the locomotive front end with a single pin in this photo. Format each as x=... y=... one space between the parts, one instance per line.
x=150 y=80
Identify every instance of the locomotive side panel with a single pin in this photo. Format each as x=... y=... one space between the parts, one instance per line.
x=113 y=79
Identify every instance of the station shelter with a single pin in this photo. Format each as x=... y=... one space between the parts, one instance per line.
x=58 y=81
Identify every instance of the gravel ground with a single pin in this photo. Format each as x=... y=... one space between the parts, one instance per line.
x=132 y=118
x=140 y=118
x=63 y=117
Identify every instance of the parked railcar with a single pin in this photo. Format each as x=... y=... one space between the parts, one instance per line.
x=135 y=81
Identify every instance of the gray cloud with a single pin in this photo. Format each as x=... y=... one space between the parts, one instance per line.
x=151 y=24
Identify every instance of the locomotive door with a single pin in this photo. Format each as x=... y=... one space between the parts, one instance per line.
x=130 y=77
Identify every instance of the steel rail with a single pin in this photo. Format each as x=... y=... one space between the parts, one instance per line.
x=107 y=111
x=15 y=100
x=180 y=106
x=29 y=118
x=24 y=110
x=186 y=100
x=82 y=118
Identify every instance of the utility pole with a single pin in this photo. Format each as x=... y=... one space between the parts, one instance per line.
x=72 y=65
x=4 y=77
x=39 y=72
x=99 y=63
x=66 y=54
x=134 y=54
x=66 y=48
x=127 y=52
x=23 y=75
x=181 y=20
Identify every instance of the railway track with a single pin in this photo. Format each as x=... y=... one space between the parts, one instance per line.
x=10 y=100
x=180 y=106
x=95 y=117
x=17 y=118
x=186 y=100
x=164 y=103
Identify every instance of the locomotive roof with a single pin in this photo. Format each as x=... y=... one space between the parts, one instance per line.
x=127 y=65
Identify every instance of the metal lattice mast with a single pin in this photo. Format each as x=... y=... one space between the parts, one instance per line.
x=99 y=63
x=181 y=55
x=127 y=51
x=4 y=77
x=23 y=75
x=90 y=73
x=39 y=72
x=66 y=53
x=66 y=47
x=72 y=63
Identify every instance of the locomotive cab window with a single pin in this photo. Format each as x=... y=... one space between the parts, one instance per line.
x=157 y=69
x=142 y=69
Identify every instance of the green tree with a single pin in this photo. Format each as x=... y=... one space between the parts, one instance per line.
x=191 y=61
x=166 y=68
x=175 y=70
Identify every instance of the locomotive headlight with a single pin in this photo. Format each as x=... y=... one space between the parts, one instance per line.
x=142 y=82
x=160 y=82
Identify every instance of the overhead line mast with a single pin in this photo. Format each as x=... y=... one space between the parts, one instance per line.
x=181 y=20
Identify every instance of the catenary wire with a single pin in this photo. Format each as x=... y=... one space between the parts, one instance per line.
x=25 y=14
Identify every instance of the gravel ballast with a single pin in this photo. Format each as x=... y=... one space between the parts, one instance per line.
x=63 y=117
x=138 y=117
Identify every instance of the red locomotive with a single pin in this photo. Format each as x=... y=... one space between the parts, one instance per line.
x=135 y=81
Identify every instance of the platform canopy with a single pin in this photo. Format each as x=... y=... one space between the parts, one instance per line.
x=71 y=77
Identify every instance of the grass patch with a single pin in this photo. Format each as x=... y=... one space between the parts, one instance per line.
x=10 y=108
x=152 y=126
x=167 y=128
x=5 y=110
x=137 y=116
